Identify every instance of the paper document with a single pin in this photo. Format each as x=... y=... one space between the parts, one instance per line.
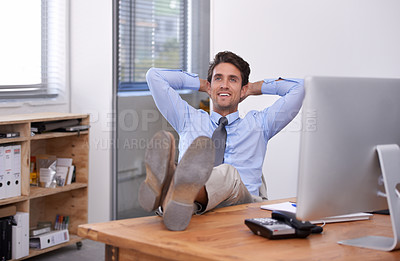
x=285 y=206
x=291 y=207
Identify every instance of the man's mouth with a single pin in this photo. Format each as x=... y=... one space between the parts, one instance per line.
x=224 y=94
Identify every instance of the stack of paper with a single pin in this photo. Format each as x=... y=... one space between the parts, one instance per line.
x=291 y=207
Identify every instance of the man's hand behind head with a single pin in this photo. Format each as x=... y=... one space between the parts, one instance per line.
x=254 y=88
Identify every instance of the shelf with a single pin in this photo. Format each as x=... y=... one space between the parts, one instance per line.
x=10 y=140
x=50 y=135
x=37 y=117
x=44 y=203
x=13 y=200
x=37 y=192
x=73 y=239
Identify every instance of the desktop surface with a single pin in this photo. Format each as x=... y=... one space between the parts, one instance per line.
x=222 y=235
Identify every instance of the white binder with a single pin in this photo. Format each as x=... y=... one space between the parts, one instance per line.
x=50 y=239
x=2 y=174
x=8 y=165
x=15 y=189
x=20 y=236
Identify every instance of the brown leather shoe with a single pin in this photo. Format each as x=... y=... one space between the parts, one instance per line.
x=160 y=167
x=191 y=174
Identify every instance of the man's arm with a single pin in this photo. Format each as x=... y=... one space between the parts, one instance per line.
x=162 y=84
x=283 y=111
x=255 y=88
x=203 y=85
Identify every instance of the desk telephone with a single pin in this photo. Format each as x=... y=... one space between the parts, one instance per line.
x=282 y=224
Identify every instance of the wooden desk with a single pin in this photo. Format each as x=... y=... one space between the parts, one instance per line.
x=222 y=235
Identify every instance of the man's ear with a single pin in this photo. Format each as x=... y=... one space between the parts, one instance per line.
x=243 y=92
x=209 y=88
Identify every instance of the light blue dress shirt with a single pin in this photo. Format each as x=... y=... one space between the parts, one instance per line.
x=247 y=137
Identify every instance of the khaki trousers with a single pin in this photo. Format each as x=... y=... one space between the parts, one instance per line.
x=225 y=188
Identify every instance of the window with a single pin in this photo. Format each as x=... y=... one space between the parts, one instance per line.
x=33 y=49
x=156 y=33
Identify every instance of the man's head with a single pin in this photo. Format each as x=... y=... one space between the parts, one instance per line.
x=232 y=58
x=228 y=78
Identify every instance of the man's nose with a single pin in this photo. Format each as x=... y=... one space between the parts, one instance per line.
x=224 y=83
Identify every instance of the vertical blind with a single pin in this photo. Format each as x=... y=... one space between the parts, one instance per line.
x=33 y=48
x=152 y=33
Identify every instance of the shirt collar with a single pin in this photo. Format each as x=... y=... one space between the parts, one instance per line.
x=231 y=117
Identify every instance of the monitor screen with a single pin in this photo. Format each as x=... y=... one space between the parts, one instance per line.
x=343 y=120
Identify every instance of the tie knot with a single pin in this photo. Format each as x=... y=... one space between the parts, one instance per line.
x=223 y=121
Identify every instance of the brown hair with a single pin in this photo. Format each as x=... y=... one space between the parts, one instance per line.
x=234 y=59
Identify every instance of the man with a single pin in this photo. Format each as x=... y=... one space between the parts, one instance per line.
x=200 y=182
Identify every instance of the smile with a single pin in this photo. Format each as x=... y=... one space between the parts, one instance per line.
x=224 y=94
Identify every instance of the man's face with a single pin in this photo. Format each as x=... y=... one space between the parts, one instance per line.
x=226 y=88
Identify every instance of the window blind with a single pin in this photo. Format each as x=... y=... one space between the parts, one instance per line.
x=33 y=49
x=152 y=33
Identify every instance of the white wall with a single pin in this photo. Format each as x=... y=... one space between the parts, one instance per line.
x=296 y=38
x=91 y=92
x=33 y=107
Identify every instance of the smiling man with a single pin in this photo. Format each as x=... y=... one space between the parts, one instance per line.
x=220 y=154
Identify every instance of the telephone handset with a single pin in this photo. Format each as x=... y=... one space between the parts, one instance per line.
x=282 y=224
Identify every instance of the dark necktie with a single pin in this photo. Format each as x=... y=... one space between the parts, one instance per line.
x=219 y=139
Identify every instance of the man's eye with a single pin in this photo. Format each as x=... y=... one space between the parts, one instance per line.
x=233 y=79
x=217 y=78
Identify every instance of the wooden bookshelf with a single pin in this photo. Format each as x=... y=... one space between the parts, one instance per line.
x=43 y=204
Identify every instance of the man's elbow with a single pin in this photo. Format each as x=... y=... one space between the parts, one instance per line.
x=151 y=74
x=298 y=88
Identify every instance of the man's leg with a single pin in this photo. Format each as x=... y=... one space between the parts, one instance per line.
x=191 y=174
x=224 y=188
x=202 y=197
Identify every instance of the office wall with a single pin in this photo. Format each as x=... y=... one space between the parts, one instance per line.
x=295 y=38
x=91 y=92
x=8 y=108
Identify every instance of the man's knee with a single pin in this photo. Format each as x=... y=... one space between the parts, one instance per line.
x=225 y=174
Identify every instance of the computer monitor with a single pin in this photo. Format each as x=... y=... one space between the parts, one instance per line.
x=349 y=146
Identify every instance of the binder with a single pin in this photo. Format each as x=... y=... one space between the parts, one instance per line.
x=38 y=231
x=5 y=238
x=8 y=165
x=20 y=236
x=50 y=239
x=2 y=174
x=15 y=187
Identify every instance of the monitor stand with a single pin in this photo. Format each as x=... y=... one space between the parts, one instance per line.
x=389 y=158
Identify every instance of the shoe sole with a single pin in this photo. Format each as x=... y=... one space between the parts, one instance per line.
x=158 y=159
x=192 y=173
